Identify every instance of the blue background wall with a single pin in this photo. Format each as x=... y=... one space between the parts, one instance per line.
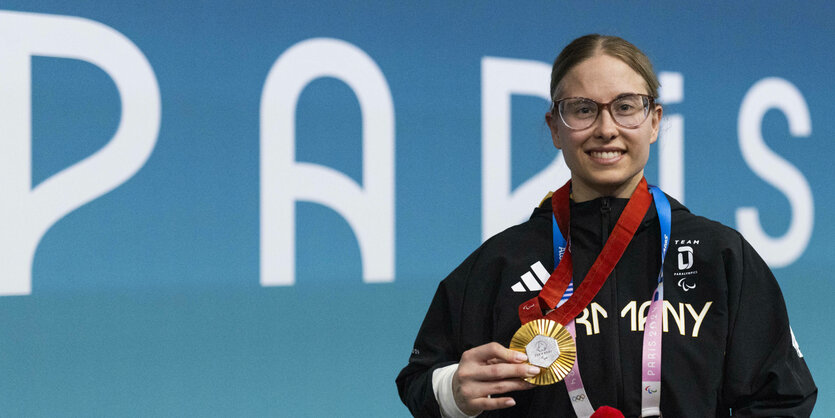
x=147 y=300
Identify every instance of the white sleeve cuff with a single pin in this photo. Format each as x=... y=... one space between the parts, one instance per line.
x=442 y=386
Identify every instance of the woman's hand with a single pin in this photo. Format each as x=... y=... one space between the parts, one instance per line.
x=487 y=370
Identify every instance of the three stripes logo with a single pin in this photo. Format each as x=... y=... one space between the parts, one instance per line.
x=532 y=281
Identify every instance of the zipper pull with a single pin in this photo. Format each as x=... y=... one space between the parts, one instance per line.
x=605 y=208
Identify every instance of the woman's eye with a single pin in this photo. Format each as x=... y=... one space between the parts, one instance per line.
x=583 y=109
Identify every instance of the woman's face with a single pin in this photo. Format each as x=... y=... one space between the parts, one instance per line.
x=605 y=159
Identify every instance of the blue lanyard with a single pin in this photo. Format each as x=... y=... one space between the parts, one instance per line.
x=662 y=206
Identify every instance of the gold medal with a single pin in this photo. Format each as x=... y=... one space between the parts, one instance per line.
x=548 y=346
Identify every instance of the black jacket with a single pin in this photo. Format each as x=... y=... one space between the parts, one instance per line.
x=727 y=345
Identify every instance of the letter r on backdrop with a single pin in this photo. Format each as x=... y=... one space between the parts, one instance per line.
x=26 y=213
x=368 y=209
x=501 y=207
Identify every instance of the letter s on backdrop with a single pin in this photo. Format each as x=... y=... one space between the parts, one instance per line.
x=767 y=94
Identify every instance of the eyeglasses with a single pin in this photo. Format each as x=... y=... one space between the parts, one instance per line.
x=628 y=110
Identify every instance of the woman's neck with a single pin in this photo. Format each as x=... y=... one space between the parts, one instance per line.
x=582 y=192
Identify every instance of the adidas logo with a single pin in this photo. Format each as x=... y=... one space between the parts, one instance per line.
x=531 y=283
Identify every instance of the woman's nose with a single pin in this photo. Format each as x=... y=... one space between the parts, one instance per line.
x=605 y=126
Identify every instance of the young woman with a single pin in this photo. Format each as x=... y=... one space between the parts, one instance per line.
x=727 y=347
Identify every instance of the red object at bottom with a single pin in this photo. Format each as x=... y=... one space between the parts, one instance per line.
x=607 y=412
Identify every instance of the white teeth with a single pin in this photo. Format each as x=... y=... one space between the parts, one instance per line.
x=605 y=155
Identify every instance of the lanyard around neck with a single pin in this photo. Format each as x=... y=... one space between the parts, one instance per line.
x=651 y=351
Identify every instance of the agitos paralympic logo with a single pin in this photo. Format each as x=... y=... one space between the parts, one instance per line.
x=651 y=389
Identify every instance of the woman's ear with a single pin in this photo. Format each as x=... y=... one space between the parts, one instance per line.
x=552 y=126
x=656 y=122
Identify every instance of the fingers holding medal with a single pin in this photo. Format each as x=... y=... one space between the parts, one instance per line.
x=486 y=370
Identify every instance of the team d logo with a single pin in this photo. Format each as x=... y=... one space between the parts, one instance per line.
x=686 y=274
x=685 y=257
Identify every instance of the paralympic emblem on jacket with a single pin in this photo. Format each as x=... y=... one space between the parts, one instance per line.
x=686 y=275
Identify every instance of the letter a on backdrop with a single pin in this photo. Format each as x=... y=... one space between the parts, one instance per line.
x=368 y=209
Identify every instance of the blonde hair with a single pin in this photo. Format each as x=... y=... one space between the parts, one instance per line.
x=588 y=46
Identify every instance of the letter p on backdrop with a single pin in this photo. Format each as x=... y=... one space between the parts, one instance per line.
x=26 y=213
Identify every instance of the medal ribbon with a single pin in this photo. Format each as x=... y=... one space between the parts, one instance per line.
x=651 y=352
x=557 y=284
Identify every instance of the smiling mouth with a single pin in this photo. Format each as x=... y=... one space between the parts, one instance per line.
x=605 y=155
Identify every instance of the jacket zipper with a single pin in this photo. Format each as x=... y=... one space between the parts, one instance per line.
x=605 y=221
